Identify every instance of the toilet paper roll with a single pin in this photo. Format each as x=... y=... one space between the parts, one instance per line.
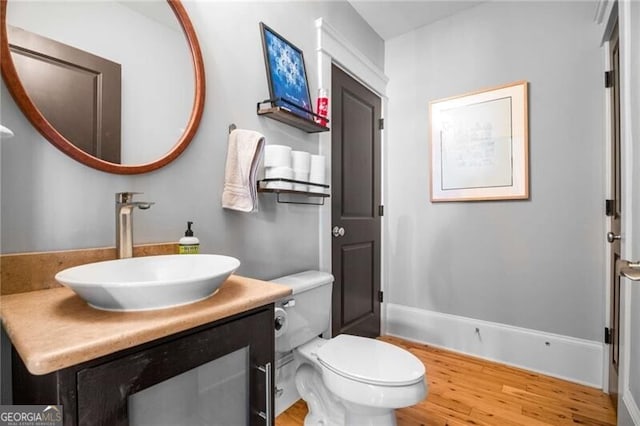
x=281 y=323
x=316 y=173
x=278 y=172
x=301 y=176
x=277 y=156
x=300 y=160
x=279 y=185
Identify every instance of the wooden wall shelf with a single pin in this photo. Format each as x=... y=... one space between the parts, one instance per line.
x=270 y=108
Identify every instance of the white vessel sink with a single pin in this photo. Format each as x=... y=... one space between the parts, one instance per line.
x=147 y=283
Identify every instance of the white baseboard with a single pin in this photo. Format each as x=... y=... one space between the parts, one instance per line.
x=568 y=358
x=631 y=406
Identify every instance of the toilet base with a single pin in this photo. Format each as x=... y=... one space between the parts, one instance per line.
x=286 y=393
x=324 y=408
x=327 y=410
x=368 y=416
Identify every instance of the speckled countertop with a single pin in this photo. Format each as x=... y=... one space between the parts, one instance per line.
x=53 y=329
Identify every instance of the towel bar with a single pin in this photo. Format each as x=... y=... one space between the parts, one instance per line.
x=294 y=193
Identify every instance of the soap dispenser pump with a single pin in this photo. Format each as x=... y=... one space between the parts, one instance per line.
x=189 y=244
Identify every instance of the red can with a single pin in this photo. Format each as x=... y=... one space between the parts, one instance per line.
x=322 y=107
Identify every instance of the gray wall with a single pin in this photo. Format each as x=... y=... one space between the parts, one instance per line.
x=538 y=263
x=51 y=202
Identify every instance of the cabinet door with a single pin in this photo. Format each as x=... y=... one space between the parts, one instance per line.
x=221 y=361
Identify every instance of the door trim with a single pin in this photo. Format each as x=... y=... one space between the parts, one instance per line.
x=627 y=46
x=334 y=48
x=606 y=16
x=606 y=245
x=628 y=407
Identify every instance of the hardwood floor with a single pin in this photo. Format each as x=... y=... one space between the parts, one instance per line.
x=464 y=390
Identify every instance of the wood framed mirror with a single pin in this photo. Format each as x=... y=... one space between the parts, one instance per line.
x=178 y=137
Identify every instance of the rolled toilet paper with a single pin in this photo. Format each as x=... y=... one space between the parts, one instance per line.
x=278 y=172
x=300 y=160
x=281 y=323
x=277 y=156
x=316 y=172
x=279 y=185
x=302 y=176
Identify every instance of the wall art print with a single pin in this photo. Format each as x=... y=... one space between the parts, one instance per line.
x=479 y=145
x=286 y=73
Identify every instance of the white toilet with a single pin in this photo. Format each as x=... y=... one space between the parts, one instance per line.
x=346 y=380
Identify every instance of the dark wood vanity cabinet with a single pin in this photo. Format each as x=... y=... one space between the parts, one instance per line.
x=97 y=392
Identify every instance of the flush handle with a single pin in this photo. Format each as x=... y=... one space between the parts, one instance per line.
x=611 y=237
x=338 y=231
x=289 y=303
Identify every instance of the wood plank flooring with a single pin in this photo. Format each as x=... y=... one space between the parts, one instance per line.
x=469 y=391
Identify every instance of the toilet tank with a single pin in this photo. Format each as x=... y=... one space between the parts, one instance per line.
x=306 y=313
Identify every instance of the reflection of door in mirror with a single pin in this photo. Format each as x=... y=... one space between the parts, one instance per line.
x=146 y=39
x=77 y=92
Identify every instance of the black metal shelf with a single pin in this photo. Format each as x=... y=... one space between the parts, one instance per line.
x=293 y=192
x=274 y=109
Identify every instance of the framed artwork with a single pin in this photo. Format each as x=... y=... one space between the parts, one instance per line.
x=479 y=145
x=286 y=73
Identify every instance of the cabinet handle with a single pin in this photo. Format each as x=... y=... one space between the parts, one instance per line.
x=267 y=415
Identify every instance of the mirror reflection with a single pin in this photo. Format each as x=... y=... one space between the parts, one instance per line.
x=141 y=102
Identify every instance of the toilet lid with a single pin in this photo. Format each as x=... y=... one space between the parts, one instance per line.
x=370 y=361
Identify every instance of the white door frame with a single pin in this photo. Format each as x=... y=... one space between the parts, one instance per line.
x=606 y=14
x=630 y=188
x=333 y=48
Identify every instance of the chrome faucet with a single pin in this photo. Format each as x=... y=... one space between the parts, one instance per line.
x=124 y=222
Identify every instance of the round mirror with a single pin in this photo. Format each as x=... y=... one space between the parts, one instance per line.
x=111 y=84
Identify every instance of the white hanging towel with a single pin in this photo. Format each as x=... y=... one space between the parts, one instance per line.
x=244 y=153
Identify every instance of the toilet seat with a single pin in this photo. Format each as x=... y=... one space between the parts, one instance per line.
x=370 y=361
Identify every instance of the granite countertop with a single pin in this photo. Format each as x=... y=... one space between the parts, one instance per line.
x=53 y=329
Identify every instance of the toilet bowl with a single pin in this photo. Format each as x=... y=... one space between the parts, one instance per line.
x=346 y=380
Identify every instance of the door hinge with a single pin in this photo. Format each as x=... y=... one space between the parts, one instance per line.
x=381 y=123
x=607 y=335
x=608 y=79
x=381 y=210
x=608 y=207
x=380 y=296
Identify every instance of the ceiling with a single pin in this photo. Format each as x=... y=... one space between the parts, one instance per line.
x=391 y=18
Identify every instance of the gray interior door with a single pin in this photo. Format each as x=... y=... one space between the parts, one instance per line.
x=615 y=214
x=355 y=179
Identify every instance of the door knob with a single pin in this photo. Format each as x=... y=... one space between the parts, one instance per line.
x=338 y=231
x=611 y=237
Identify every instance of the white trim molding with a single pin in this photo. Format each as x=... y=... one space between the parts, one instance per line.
x=344 y=54
x=628 y=18
x=564 y=357
x=631 y=406
x=605 y=16
x=333 y=48
x=606 y=246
